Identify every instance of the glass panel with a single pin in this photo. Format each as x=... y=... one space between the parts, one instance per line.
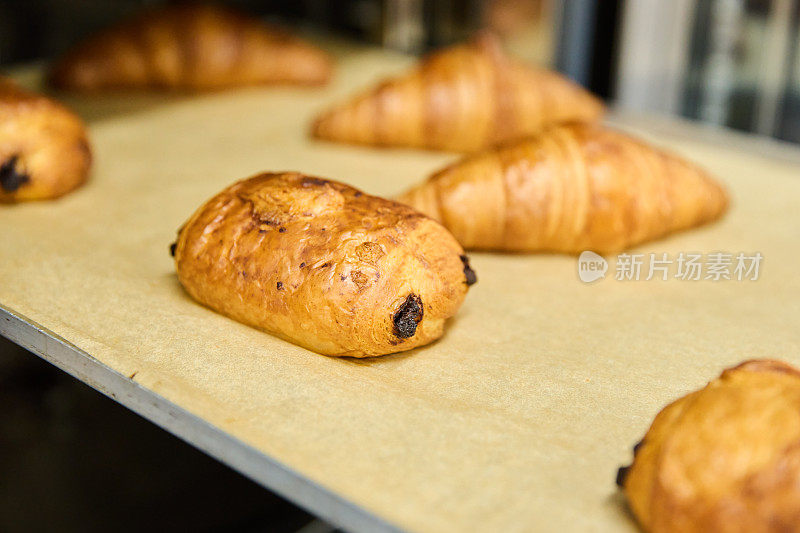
x=789 y=119
x=727 y=47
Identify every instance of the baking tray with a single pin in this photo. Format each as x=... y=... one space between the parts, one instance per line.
x=516 y=420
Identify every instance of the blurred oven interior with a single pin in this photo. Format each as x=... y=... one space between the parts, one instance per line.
x=732 y=63
x=728 y=63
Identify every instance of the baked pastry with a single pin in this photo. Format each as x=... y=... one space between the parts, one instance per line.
x=568 y=189
x=323 y=265
x=462 y=99
x=189 y=47
x=724 y=458
x=44 y=151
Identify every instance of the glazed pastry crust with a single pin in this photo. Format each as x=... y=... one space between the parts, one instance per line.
x=44 y=150
x=724 y=458
x=322 y=265
x=188 y=47
x=568 y=189
x=463 y=99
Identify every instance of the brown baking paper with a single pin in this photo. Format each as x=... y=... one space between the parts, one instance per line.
x=516 y=420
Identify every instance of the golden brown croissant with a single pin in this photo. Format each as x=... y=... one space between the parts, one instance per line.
x=44 y=152
x=323 y=265
x=724 y=458
x=569 y=189
x=190 y=47
x=463 y=98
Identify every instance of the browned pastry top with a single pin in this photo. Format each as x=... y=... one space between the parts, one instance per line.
x=568 y=189
x=724 y=458
x=190 y=47
x=44 y=151
x=323 y=265
x=463 y=98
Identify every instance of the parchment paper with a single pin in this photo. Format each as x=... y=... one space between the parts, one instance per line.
x=515 y=421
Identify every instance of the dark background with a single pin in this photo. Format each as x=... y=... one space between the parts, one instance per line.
x=73 y=460
x=585 y=43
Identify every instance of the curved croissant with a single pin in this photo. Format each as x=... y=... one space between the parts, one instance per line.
x=569 y=189
x=461 y=99
x=723 y=458
x=44 y=150
x=190 y=48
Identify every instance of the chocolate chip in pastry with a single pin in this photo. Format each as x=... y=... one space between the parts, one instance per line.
x=323 y=265
x=44 y=150
x=723 y=458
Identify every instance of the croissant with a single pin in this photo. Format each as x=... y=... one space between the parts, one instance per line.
x=724 y=458
x=461 y=99
x=189 y=47
x=323 y=265
x=44 y=151
x=569 y=189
